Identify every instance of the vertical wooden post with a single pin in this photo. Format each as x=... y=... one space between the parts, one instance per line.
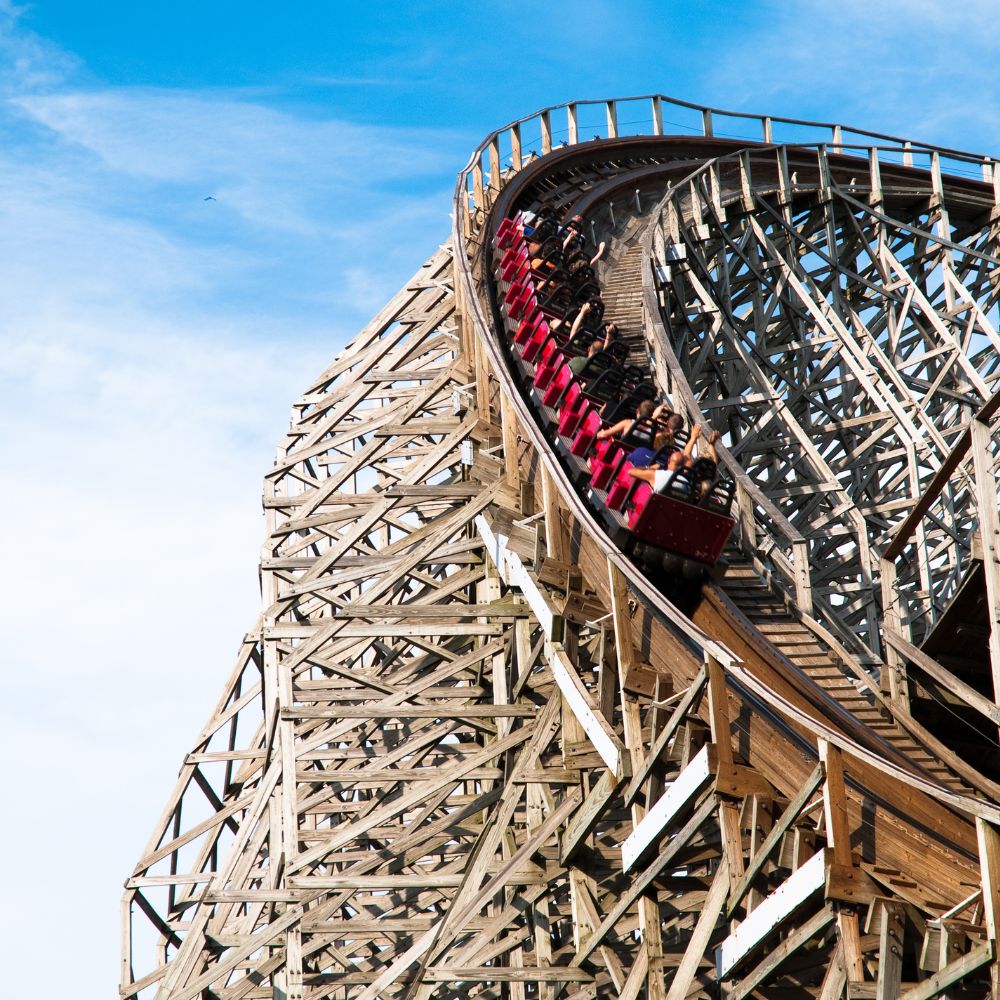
x=571 y=124
x=607 y=684
x=823 y=165
x=515 y=146
x=989 y=533
x=706 y=122
x=612 y=114
x=875 y=177
x=729 y=811
x=125 y=941
x=546 y=119
x=478 y=195
x=622 y=623
x=989 y=868
x=746 y=181
x=294 y=989
x=896 y=681
x=482 y=384
x=890 y=951
x=657 y=116
x=511 y=458
x=784 y=183
x=838 y=837
x=760 y=826
x=494 y=151
x=553 y=524
x=803 y=577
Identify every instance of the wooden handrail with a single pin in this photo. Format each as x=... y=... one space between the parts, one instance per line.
x=708 y=116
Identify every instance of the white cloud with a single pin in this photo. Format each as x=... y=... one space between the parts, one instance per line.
x=265 y=164
x=26 y=60
x=921 y=69
x=151 y=345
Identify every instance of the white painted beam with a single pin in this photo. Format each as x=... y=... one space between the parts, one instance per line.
x=598 y=731
x=787 y=898
x=685 y=786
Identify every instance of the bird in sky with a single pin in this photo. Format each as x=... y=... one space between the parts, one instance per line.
x=208 y=198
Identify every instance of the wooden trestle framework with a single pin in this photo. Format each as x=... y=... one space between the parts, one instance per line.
x=469 y=750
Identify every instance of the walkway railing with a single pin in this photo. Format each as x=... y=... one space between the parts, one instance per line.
x=504 y=152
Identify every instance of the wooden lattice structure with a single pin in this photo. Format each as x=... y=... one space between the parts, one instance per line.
x=470 y=749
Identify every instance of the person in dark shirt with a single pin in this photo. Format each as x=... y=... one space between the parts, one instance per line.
x=643 y=411
x=578 y=363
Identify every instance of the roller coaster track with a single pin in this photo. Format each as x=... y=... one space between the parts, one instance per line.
x=471 y=748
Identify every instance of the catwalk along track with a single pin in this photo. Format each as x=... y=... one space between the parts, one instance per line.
x=476 y=745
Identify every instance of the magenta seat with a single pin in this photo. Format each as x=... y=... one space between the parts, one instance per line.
x=586 y=434
x=520 y=304
x=557 y=385
x=640 y=498
x=622 y=487
x=517 y=263
x=530 y=349
x=506 y=231
x=603 y=449
x=550 y=359
x=515 y=289
x=510 y=254
x=604 y=467
x=525 y=331
x=514 y=253
x=574 y=408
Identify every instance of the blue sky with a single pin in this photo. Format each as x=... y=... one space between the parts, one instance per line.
x=151 y=342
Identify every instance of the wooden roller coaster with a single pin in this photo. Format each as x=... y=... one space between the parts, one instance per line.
x=473 y=746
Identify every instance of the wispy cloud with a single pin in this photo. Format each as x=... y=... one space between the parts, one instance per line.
x=151 y=344
x=26 y=60
x=921 y=69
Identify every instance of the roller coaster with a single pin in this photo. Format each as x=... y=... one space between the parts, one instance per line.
x=477 y=746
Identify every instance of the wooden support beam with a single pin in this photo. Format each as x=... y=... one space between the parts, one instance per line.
x=835 y=979
x=988 y=838
x=944 y=677
x=644 y=879
x=838 y=837
x=701 y=935
x=889 y=915
x=951 y=973
x=798 y=937
x=788 y=816
x=930 y=493
x=580 y=701
x=582 y=823
x=989 y=535
x=665 y=735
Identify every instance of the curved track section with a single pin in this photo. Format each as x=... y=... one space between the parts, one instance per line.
x=470 y=749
